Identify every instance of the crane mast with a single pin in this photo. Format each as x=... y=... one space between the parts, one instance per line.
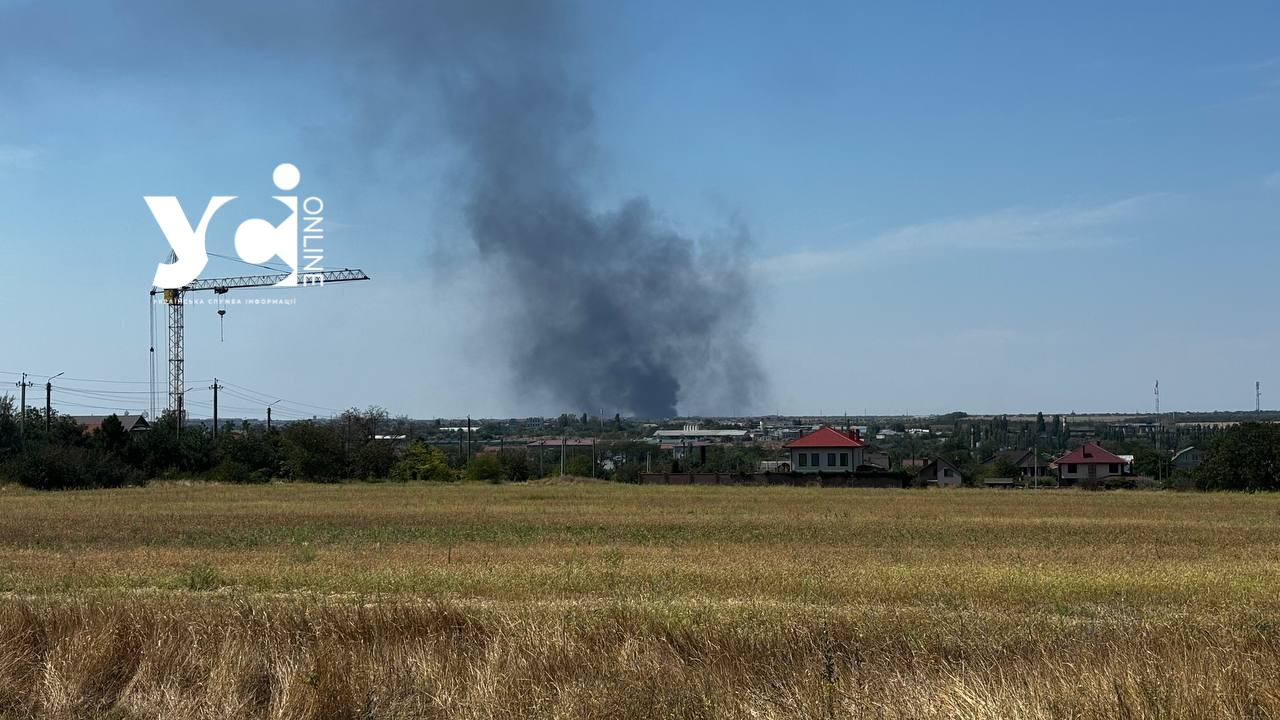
x=173 y=300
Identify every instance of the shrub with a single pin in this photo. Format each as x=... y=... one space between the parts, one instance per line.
x=231 y=471
x=485 y=467
x=1120 y=482
x=201 y=577
x=373 y=459
x=423 y=462
x=312 y=451
x=56 y=467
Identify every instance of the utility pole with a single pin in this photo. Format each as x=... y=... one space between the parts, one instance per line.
x=22 y=419
x=269 y=415
x=563 y=440
x=48 y=404
x=215 y=387
x=1257 y=397
x=1035 y=459
x=468 y=438
x=1158 y=440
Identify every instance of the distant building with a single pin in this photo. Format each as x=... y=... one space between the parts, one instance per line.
x=941 y=473
x=395 y=441
x=1028 y=463
x=826 y=450
x=557 y=442
x=1089 y=462
x=1188 y=458
x=876 y=458
x=131 y=423
x=693 y=433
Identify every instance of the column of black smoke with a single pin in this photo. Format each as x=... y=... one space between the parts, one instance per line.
x=609 y=310
x=613 y=309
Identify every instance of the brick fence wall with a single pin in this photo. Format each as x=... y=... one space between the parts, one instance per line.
x=855 y=480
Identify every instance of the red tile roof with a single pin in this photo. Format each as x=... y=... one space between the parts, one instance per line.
x=1090 y=454
x=825 y=437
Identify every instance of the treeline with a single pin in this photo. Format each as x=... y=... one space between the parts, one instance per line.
x=60 y=454
x=358 y=445
x=1244 y=457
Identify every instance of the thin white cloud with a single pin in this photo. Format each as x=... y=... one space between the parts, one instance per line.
x=1013 y=229
x=18 y=156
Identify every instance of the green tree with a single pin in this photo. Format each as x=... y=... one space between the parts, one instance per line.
x=1003 y=467
x=485 y=467
x=423 y=462
x=515 y=465
x=312 y=451
x=254 y=448
x=373 y=460
x=10 y=439
x=164 y=449
x=111 y=435
x=1245 y=457
x=1152 y=463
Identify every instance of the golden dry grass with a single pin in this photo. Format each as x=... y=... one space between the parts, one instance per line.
x=597 y=600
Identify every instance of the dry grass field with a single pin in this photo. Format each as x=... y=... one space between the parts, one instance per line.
x=566 y=600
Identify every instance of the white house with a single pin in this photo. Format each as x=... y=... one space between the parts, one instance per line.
x=826 y=450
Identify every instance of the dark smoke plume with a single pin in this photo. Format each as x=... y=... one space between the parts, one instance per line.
x=609 y=310
x=613 y=310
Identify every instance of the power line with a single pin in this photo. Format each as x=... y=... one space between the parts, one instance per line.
x=287 y=401
x=122 y=391
x=246 y=262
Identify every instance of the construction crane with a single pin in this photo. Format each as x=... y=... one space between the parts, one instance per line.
x=173 y=298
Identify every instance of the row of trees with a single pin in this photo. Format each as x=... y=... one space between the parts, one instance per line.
x=63 y=455
x=60 y=454
x=358 y=445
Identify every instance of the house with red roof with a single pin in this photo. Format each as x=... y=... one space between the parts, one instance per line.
x=826 y=450
x=1090 y=461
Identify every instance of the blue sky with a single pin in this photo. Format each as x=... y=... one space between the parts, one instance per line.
x=984 y=207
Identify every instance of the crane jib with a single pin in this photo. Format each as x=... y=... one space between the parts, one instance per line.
x=222 y=285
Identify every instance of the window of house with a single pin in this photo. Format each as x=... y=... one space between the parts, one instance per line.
x=1071 y=468
x=844 y=459
x=831 y=459
x=946 y=472
x=813 y=458
x=1113 y=468
x=804 y=459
